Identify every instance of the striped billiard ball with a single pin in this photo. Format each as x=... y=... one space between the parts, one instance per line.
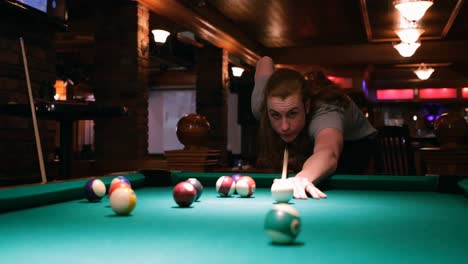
x=282 y=224
x=118 y=185
x=225 y=186
x=245 y=186
x=123 y=201
x=94 y=190
x=120 y=179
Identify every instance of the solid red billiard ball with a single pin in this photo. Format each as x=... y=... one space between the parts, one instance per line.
x=225 y=186
x=198 y=186
x=245 y=186
x=118 y=185
x=184 y=194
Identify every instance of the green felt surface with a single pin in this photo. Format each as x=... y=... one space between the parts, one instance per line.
x=351 y=226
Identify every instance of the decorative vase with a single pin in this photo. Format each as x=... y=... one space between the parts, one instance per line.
x=193 y=131
x=451 y=130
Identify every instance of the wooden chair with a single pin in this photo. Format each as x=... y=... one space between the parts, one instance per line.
x=396 y=155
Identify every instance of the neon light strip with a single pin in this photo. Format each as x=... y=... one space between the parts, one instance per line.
x=395 y=94
x=438 y=93
x=465 y=92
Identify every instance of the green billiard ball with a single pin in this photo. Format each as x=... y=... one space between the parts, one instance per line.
x=282 y=224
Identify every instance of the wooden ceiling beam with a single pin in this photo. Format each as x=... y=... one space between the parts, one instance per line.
x=218 y=32
x=363 y=54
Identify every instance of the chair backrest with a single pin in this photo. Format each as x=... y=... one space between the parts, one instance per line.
x=396 y=156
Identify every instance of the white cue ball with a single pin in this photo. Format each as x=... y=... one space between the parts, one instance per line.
x=282 y=190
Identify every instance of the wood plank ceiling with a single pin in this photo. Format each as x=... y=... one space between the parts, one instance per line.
x=341 y=37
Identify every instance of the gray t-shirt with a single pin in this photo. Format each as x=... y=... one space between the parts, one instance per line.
x=351 y=121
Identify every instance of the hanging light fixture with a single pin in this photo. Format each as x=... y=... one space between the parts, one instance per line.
x=424 y=72
x=409 y=35
x=413 y=10
x=160 y=35
x=407 y=49
x=408 y=31
x=237 y=71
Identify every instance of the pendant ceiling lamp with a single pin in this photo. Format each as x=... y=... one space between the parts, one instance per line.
x=412 y=10
x=409 y=35
x=407 y=49
x=424 y=72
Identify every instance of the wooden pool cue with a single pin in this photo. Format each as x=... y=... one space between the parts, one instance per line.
x=285 y=164
x=33 y=112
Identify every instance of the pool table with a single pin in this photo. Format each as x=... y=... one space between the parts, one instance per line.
x=366 y=219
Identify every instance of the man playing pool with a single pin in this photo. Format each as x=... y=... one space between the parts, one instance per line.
x=319 y=124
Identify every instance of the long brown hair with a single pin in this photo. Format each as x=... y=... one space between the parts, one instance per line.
x=322 y=90
x=283 y=83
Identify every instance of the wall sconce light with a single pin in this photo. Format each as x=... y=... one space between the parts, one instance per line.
x=424 y=72
x=412 y=10
x=407 y=49
x=160 y=36
x=237 y=71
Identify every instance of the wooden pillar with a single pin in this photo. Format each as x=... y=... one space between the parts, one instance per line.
x=122 y=57
x=212 y=90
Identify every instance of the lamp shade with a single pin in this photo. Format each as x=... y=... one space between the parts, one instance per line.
x=407 y=49
x=412 y=10
x=409 y=35
x=424 y=72
x=160 y=36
